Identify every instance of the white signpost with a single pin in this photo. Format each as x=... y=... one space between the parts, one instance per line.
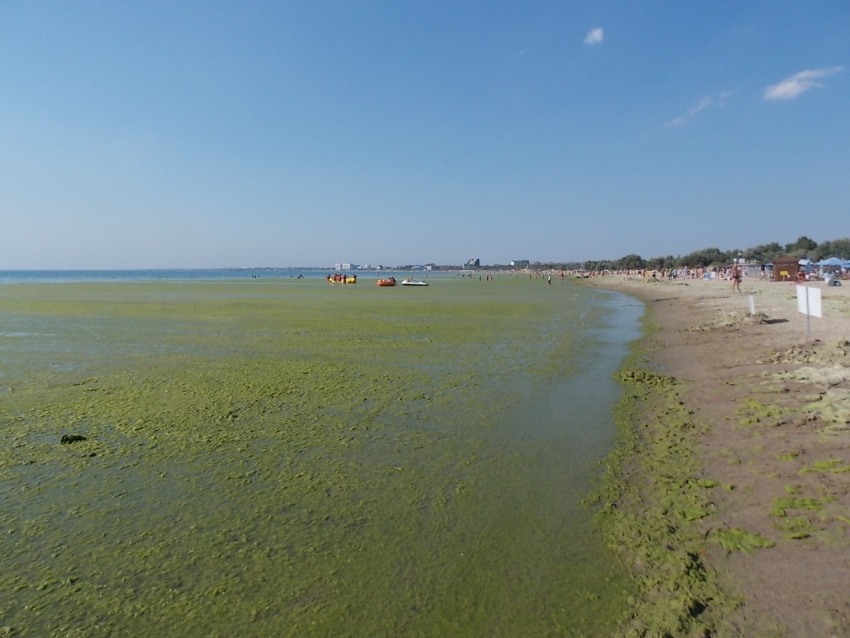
x=808 y=302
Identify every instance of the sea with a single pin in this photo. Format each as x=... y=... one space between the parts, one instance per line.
x=188 y=274
x=240 y=452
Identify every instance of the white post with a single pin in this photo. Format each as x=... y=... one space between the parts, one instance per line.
x=752 y=306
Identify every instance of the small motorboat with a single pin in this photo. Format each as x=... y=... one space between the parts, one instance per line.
x=389 y=281
x=410 y=281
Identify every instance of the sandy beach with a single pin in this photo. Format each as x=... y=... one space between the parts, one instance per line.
x=775 y=407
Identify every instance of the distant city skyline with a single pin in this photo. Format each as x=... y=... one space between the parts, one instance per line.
x=181 y=135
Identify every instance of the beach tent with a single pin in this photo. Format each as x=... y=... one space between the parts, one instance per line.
x=833 y=261
x=830 y=268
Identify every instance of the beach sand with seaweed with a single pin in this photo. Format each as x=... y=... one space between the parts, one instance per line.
x=767 y=412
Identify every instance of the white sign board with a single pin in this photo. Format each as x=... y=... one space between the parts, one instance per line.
x=808 y=301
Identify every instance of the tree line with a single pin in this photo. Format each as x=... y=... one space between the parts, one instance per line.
x=803 y=248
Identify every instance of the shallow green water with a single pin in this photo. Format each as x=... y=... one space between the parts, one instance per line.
x=290 y=458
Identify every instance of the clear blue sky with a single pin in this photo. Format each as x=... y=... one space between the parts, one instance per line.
x=205 y=134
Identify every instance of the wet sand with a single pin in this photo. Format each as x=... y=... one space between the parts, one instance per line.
x=772 y=410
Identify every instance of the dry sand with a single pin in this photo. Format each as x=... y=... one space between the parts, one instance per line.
x=778 y=408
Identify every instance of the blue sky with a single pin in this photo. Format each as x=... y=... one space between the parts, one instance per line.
x=218 y=134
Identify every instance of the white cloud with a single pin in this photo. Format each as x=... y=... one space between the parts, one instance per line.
x=798 y=83
x=594 y=36
x=699 y=107
x=703 y=104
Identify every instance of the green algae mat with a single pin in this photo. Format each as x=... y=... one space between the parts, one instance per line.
x=288 y=458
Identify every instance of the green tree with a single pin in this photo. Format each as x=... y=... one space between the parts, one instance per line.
x=764 y=253
x=841 y=248
x=661 y=263
x=836 y=248
x=803 y=245
x=630 y=262
x=703 y=258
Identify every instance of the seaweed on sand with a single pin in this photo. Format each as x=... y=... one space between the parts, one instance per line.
x=649 y=507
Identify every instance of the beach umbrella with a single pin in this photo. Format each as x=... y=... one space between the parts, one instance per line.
x=832 y=261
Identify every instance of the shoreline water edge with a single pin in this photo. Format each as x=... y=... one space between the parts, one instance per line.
x=727 y=494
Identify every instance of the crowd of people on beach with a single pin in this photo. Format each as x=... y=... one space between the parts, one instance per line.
x=734 y=273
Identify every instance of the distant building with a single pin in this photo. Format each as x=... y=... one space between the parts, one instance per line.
x=346 y=266
x=521 y=263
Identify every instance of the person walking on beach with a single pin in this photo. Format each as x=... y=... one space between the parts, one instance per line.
x=736 y=277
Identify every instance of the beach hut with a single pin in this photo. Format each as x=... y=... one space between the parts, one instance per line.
x=785 y=268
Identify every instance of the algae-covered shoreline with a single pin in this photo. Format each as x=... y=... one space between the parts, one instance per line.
x=651 y=499
x=293 y=459
x=734 y=454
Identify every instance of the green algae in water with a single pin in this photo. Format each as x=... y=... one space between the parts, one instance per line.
x=304 y=460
